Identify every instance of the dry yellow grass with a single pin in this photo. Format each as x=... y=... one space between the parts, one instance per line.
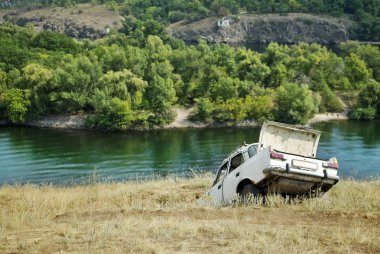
x=162 y=216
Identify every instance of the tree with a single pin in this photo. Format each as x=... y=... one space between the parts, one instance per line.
x=55 y=41
x=203 y=110
x=370 y=95
x=123 y=85
x=250 y=67
x=38 y=80
x=115 y=114
x=160 y=96
x=351 y=6
x=260 y=107
x=294 y=104
x=224 y=88
x=224 y=7
x=16 y=105
x=356 y=69
x=112 y=57
x=3 y=81
x=231 y=110
x=75 y=81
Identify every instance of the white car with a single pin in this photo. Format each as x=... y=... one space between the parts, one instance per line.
x=283 y=161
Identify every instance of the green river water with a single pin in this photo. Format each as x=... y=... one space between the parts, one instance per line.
x=64 y=157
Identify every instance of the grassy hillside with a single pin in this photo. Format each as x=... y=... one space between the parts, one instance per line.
x=163 y=216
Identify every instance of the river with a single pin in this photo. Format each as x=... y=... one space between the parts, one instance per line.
x=32 y=155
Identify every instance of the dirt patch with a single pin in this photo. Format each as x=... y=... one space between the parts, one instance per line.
x=182 y=119
x=325 y=117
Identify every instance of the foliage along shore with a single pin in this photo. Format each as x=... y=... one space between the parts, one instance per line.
x=160 y=216
x=78 y=122
x=134 y=80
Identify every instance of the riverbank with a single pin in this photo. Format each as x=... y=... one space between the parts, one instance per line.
x=181 y=121
x=325 y=117
x=163 y=216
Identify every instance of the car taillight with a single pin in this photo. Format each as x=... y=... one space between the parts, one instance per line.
x=277 y=156
x=332 y=163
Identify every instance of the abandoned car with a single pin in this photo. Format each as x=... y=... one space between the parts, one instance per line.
x=283 y=161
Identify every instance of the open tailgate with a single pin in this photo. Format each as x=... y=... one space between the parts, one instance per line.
x=289 y=139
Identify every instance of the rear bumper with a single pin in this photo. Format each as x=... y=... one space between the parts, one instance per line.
x=296 y=181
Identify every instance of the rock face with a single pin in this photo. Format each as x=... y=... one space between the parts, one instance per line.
x=67 y=27
x=80 y=21
x=289 y=29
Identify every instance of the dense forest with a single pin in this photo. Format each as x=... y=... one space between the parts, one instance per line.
x=365 y=13
x=124 y=81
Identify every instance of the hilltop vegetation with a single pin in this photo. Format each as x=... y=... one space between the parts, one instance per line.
x=365 y=13
x=134 y=80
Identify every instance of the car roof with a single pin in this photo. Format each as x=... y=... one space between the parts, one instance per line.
x=240 y=149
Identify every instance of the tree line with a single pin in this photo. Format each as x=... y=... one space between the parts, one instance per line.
x=135 y=80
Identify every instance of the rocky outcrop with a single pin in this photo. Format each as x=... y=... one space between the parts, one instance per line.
x=81 y=21
x=289 y=29
x=67 y=27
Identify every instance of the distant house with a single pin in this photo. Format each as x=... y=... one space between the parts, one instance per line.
x=226 y=21
x=105 y=31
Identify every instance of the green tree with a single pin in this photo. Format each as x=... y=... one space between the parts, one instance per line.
x=16 y=105
x=3 y=81
x=75 y=81
x=260 y=107
x=112 y=57
x=250 y=67
x=160 y=96
x=38 y=80
x=225 y=88
x=55 y=41
x=115 y=114
x=203 y=110
x=356 y=70
x=231 y=110
x=294 y=104
x=123 y=85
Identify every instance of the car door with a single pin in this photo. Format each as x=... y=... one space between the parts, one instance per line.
x=216 y=192
x=233 y=178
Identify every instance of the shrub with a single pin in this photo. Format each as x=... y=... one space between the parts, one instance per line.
x=232 y=110
x=115 y=115
x=260 y=108
x=362 y=113
x=203 y=110
x=330 y=102
x=16 y=105
x=294 y=104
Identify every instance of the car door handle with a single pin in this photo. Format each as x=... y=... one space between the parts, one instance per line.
x=219 y=186
x=237 y=174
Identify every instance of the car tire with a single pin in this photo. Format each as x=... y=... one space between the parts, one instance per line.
x=250 y=192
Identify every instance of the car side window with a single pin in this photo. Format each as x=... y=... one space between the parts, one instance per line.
x=221 y=173
x=252 y=151
x=236 y=161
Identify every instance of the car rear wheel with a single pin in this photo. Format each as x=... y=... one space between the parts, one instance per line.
x=250 y=193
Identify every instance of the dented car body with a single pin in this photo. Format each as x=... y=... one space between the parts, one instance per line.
x=283 y=161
